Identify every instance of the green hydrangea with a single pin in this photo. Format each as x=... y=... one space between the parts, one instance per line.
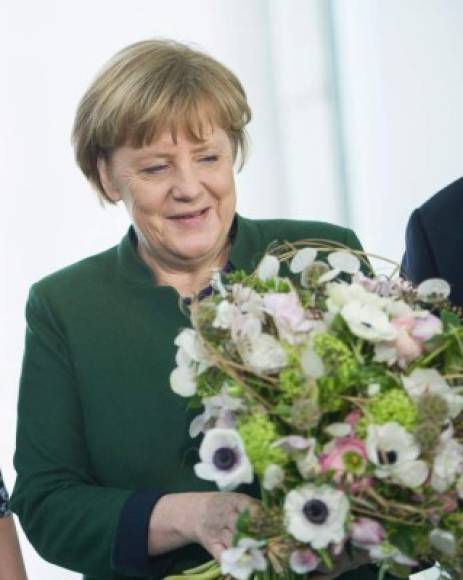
x=292 y=380
x=393 y=406
x=341 y=368
x=336 y=356
x=258 y=432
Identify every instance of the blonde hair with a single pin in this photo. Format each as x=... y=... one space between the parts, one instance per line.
x=152 y=86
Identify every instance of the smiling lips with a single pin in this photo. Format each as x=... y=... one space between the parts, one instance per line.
x=191 y=218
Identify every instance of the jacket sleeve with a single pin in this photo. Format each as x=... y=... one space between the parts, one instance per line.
x=418 y=262
x=68 y=516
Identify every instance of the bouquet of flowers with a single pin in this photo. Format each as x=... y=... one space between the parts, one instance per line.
x=343 y=394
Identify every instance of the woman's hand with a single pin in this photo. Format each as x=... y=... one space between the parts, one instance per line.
x=204 y=518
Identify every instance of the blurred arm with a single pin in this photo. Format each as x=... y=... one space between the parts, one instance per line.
x=11 y=562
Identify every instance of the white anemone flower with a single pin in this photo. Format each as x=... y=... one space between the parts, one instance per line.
x=302 y=259
x=395 y=453
x=448 y=462
x=263 y=353
x=273 y=477
x=433 y=287
x=344 y=261
x=368 y=322
x=340 y=293
x=316 y=515
x=241 y=562
x=430 y=382
x=224 y=459
x=268 y=268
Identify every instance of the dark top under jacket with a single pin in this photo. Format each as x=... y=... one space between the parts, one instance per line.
x=4 y=500
x=101 y=436
x=434 y=240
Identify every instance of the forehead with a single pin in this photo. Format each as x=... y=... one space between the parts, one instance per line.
x=170 y=142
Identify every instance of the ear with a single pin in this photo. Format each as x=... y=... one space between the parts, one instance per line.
x=107 y=180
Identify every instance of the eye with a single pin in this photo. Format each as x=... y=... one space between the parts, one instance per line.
x=154 y=169
x=209 y=158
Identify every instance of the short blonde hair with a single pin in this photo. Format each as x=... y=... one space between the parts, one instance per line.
x=152 y=86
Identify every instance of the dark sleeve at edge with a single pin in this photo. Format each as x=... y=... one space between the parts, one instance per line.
x=418 y=262
x=130 y=553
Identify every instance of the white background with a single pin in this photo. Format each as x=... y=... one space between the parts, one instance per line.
x=358 y=118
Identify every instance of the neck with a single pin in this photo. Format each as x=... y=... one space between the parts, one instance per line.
x=187 y=279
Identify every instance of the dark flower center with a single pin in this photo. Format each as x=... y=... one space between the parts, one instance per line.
x=224 y=458
x=316 y=511
x=387 y=457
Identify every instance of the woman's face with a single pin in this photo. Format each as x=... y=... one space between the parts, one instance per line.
x=180 y=196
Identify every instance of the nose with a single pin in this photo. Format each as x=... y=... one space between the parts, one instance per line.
x=187 y=185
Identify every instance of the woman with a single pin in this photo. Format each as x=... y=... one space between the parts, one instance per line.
x=11 y=562
x=105 y=481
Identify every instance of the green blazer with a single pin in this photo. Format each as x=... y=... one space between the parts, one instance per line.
x=97 y=418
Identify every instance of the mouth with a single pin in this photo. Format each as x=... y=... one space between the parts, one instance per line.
x=193 y=217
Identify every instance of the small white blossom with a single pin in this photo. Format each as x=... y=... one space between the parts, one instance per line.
x=316 y=515
x=224 y=315
x=338 y=429
x=183 y=381
x=344 y=262
x=218 y=412
x=395 y=453
x=273 y=477
x=329 y=276
x=373 y=389
x=217 y=283
x=433 y=287
x=302 y=259
x=386 y=551
x=443 y=541
x=385 y=352
x=242 y=561
x=368 y=322
x=448 y=463
x=189 y=342
x=263 y=353
x=311 y=364
x=459 y=487
x=430 y=382
x=268 y=268
x=223 y=459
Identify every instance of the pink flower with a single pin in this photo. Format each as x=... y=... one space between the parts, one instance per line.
x=303 y=561
x=425 y=328
x=347 y=456
x=290 y=317
x=407 y=347
x=353 y=418
x=366 y=532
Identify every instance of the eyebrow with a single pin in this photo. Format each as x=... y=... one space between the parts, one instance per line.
x=198 y=149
